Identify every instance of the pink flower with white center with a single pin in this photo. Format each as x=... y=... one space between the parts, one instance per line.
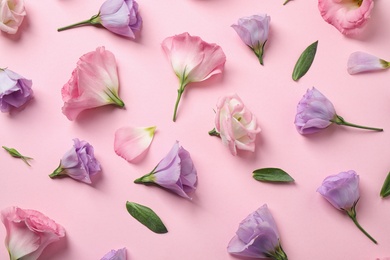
x=94 y=83
x=12 y=13
x=29 y=232
x=132 y=142
x=359 y=62
x=235 y=124
x=348 y=16
x=193 y=60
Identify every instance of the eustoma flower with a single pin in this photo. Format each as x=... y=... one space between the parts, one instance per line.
x=342 y=191
x=94 y=83
x=78 y=163
x=15 y=90
x=257 y=237
x=119 y=254
x=235 y=124
x=29 y=232
x=348 y=16
x=253 y=31
x=364 y=62
x=12 y=13
x=118 y=16
x=315 y=112
x=175 y=172
x=192 y=60
x=132 y=142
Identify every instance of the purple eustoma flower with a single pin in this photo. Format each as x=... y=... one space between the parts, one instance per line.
x=253 y=31
x=342 y=191
x=119 y=254
x=359 y=62
x=175 y=172
x=117 y=16
x=78 y=163
x=257 y=237
x=15 y=90
x=315 y=112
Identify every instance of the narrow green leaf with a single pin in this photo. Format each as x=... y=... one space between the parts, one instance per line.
x=14 y=153
x=305 y=60
x=385 y=191
x=146 y=216
x=272 y=175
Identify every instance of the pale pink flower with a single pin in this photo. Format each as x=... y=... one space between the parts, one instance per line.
x=12 y=13
x=29 y=232
x=132 y=142
x=94 y=83
x=193 y=60
x=348 y=16
x=364 y=62
x=235 y=124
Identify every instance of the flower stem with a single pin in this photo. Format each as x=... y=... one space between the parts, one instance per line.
x=286 y=2
x=352 y=214
x=57 y=172
x=148 y=178
x=179 y=93
x=114 y=98
x=340 y=121
x=93 y=20
x=278 y=254
x=214 y=133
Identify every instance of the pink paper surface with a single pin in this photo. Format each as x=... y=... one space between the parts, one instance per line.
x=95 y=216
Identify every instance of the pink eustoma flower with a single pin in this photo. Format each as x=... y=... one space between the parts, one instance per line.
x=78 y=163
x=253 y=31
x=348 y=16
x=257 y=237
x=94 y=83
x=235 y=124
x=342 y=191
x=364 y=62
x=119 y=254
x=192 y=60
x=15 y=90
x=29 y=232
x=117 y=16
x=132 y=142
x=12 y=13
x=175 y=172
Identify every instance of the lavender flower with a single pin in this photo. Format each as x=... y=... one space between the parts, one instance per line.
x=364 y=62
x=78 y=163
x=342 y=191
x=119 y=254
x=175 y=172
x=15 y=90
x=257 y=237
x=315 y=112
x=253 y=31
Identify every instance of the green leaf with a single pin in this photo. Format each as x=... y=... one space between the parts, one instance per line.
x=272 y=175
x=305 y=60
x=385 y=191
x=14 y=153
x=146 y=216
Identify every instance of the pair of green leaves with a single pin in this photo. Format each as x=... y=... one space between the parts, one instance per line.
x=14 y=153
x=272 y=175
x=147 y=217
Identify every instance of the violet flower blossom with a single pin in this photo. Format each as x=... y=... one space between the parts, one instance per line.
x=15 y=90
x=117 y=16
x=315 y=112
x=78 y=163
x=257 y=237
x=253 y=31
x=364 y=62
x=342 y=191
x=119 y=254
x=175 y=172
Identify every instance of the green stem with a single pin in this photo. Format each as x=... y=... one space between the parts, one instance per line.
x=278 y=254
x=93 y=20
x=148 y=178
x=340 y=121
x=115 y=98
x=286 y=2
x=352 y=214
x=179 y=93
x=57 y=172
x=214 y=133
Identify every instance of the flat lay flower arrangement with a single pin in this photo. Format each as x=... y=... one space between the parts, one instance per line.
x=194 y=129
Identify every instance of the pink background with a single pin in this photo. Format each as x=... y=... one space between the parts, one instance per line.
x=95 y=216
